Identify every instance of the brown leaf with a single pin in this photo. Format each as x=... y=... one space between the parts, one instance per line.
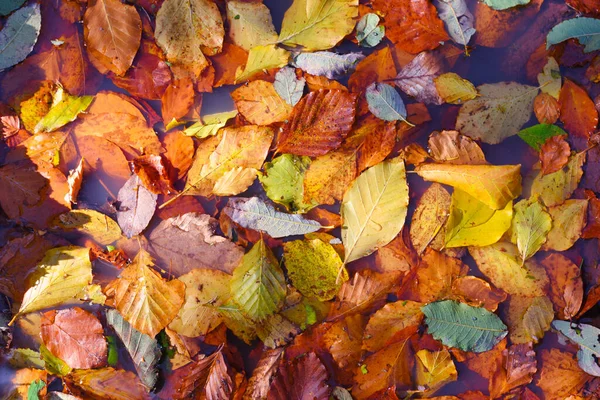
x=417 y=78
x=63 y=335
x=477 y=293
x=501 y=28
x=136 y=207
x=560 y=375
x=179 y=154
x=566 y=286
x=153 y=174
x=527 y=318
x=392 y=323
x=585 y=6
x=577 y=111
x=259 y=103
x=397 y=255
x=343 y=341
x=554 y=154
x=546 y=108
x=75 y=179
x=430 y=216
x=227 y=62
x=376 y=67
x=46 y=149
x=592 y=229
x=11 y=125
x=20 y=186
x=302 y=379
x=517 y=368
x=260 y=381
x=412 y=26
x=453 y=148
x=95 y=152
x=318 y=124
x=316 y=83
x=106 y=383
x=177 y=100
x=110 y=102
x=112 y=32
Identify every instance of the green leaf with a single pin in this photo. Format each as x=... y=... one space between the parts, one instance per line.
x=368 y=31
x=462 y=326
x=53 y=364
x=19 y=35
x=374 y=209
x=385 y=102
x=144 y=350
x=586 y=30
x=588 y=339
x=327 y=64
x=288 y=86
x=113 y=351
x=210 y=124
x=65 y=109
x=34 y=389
x=255 y=214
x=283 y=181
x=258 y=284
x=530 y=227
x=535 y=136
x=505 y=4
x=313 y=266
x=8 y=6
x=472 y=223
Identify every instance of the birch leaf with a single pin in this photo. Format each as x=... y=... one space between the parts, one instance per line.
x=457 y=18
x=493 y=185
x=250 y=24
x=288 y=86
x=255 y=214
x=327 y=64
x=368 y=31
x=530 y=227
x=374 y=209
x=19 y=35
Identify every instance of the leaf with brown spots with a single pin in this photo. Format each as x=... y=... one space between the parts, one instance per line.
x=477 y=293
x=153 y=174
x=260 y=104
x=453 y=148
x=417 y=78
x=546 y=108
x=554 y=154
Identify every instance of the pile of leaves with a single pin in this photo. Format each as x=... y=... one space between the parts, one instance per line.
x=361 y=223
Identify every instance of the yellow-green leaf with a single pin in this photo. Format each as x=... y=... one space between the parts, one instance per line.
x=568 y=220
x=530 y=227
x=550 y=80
x=261 y=58
x=374 y=209
x=313 y=267
x=453 y=89
x=528 y=318
x=283 y=181
x=210 y=124
x=65 y=108
x=434 y=370
x=557 y=187
x=98 y=226
x=258 y=284
x=493 y=185
x=250 y=24
x=473 y=223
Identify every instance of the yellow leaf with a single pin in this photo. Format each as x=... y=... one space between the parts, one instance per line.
x=328 y=177
x=374 y=209
x=205 y=290
x=98 y=226
x=313 y=268
x=472 y=223
x=557 y=187
x=250 y=24
x=501 y=263
x=528 y=318
x=568 y=219
x=143 y=297
x=62 y=275
x=550 y=80
x=493 y=185
x=429 y=217
x=388 y=321
x=261 y=58
x=260 y=104
x=235 y=181
x=530 y=227
x=318 y=24
x=434 y=370
x=210 y=124
x=246 y=147
x=453 y=89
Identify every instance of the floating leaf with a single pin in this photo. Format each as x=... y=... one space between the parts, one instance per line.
x=107 y=383
x=554 y=154
x=143 y=298
x=453 y=148
x=250 y=24
x=577 y=111
x=144 y=350
x=389 y=322
x=258 y=284
x=477 y=293
x=566 y=286
x=473 y=223
x=318 y=24
x=586 y=30
x=453 y=89
x=429 y=217
x=530 y=227
x=260 y=104
x=374 y=209
x=9 y=6
x=560 y=375
x=549 y=79
x=457 y=18
x=568 y=220
x=417 y=78
x=65 y=109
x=493 y=185
x=19 y=35
x=262 y=58
x=61 y=276
x=326 y=63
x=555 y=188
x=100 y=227
x=210 y=124
x=136 y=207
x=385 y=102
x=368 y=31
x=434 y=370
x=283 y=181
x=498 y=113
x=586 y=336
x=313 y=266
x=505 y=4
x=535 y=136
x=462 y=326
x=288 y=86
x=546 y=108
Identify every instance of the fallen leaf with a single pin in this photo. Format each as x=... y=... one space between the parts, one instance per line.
x=106 y=23
x=136 y=207
x=546 y=108
x=592 y=227
x=65 y=109
x=557 y=187
x=530 y=227
x=94 y=150
x=143 y=298
x=453 y=89
x=585 y=30
x=250 y=24
x=10 y=6
x=586 y=336
x=327 y=64
x=19 y=35
x=577 y=111
x=20 y=186
x=434 y=370
x=283 y=181
x=106 y=383
x=259 y=382
x=477 y=293
x=152 y=174
x=177 y=101
x=528 y=318
x=417 y=78
x=560 y=375
x=303 y=378
x=501 y=28
x=550 y=79
x=566 y=286
x=262 y=58
x=62 y=334
x=584 y=6
x=537 y=135
x=260 y=104
x=288 y=86
x=385 y=102
x=75 y=179
x=92 y=223
x=179 y=154
x=568 y=220
x=519 y=367
x=429 y=217
x=453 y=148
x=368 y=31
x=392 y=323
x=209 y=125
x=376 y=67
x=457 y=18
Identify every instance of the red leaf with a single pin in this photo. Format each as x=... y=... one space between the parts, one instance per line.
x=577 y=111
x=554 y=154
x=304 y=378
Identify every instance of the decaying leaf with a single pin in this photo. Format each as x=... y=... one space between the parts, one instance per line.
x=568 y=220
x=557 y=187
x=136 y=207
x=391 y=322
x=260 y=104
x=417 y=78
x=577 y=110
x=566 y=286
x=453 y=148
x=457 y=18
x=98 y=226
x=19 y=35
x=429 y=217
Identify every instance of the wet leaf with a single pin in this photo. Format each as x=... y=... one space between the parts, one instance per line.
x=560 y=375
x=577 y=110
x=530 y=227
x=546 y=109
x=429 y=217
x=20 y=186
x=372 y=221
x=75 y=179
x=498 y=113
x=376 y=67
x=328 y=176
x=106 y=383
x=586 y=336
x=9 y=6
x=210 y=124
x=19 y=35
x=457 y=19
x=143 y=298
x=568 y=220
x=313 y=267
x=391 y=323
x=65 y=109
x=177 y=102
x=368 y=31
x=250 y=24
x=493 y=185
x=106 y=23
x=477 y=293
x=417 y=78
x=61 y=276
x=319 y=123
x=262 y=58
x=453 y=148
x=385 y=102
x=504 y=4
x=288 y=86
x=586 y=30
x=136 y=207
x=283 y=181
x=459 y=325
x=98 y=226
x=537 y=135
x=549 y=79
x=318 y=24
x=327 y=64
x=62 y=334
x=152 y=173
x=557 y=187
x=434 y=370
x=528 y=318
x=144 y=350
x=260 y=104
x=259 y=382
x=566 y=286
x=453 y=89
x=303 y=378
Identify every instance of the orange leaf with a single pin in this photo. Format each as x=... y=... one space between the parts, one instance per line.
x=546 y=108
x=177 y=100
x=592 y=229
x=397 y=255
x=554 y=154
x=79 y=348
x=106 y=383
x=501 y=28
x=577 y=111
x=95 y=151
x=560 y=374
x=343 y=340
x=319 y=123
x=20 y=186
x=153 y=174
x=179 y=154
x=453 y=148
x=517 y=369
x=112 y=32
x=259 y=103
x=566 y=286
x=413 y=25
x=585 y=6
x=376 y=67
x=316 y=83
x=477 y=292
x=227 y=62
x=75 y=179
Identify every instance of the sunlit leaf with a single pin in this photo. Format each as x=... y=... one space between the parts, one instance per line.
x=262 y=58
x=260 y=104
x=434 y=370
x=100 y=227
x=65 y=109
x=19 y=35
x=107 y=383
x=250 y=24
x=429 y=217
x=210 y=124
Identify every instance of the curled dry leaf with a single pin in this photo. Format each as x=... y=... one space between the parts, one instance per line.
x=153 y=174
x=75 y=179
x=577 y=111
x=546 y=108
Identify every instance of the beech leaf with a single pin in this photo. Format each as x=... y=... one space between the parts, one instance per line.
x=326 y=63
x=458 y=19
x=288 y=86
x=210 y=124
x=19 y=35
x=568 y=220
x=389 y=321
x=530 y=227
x=250 y=24
x=107 y=383
x=368 y=31
x=584 y=29
x=462 y=326
x=586 y=336
x=136 y=207
x=505 y=4
x=553 y=189
x=260 y=104
x=429 y=217
x=453 y=89
x=416 y=79
x=535 y=136
x=434 y=370
x=65 y=109
x=385 y=102
x=262 y=58
x=283 y=181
